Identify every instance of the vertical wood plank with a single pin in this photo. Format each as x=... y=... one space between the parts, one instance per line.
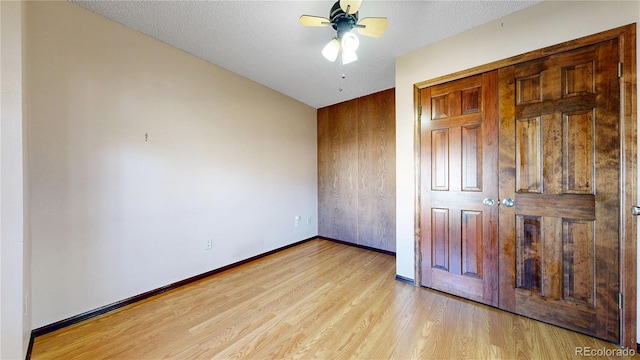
x=376 y=170
x=338 y=175
x=324 y=172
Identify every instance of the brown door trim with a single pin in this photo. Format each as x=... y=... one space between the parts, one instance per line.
x=628 y=124
x=628 y=244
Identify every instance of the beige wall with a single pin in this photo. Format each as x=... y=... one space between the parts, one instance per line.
x=15 y=263
x=545 y=24
x=115 y=214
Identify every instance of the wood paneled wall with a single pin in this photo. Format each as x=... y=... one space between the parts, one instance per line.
x=356 y=171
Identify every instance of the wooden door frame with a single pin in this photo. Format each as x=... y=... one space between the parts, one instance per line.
x=626 y=36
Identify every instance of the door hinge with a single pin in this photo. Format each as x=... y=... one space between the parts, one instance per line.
x=619 y=69
x=619 y=301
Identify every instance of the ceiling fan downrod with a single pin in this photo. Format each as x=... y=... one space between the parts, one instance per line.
x=342 y=21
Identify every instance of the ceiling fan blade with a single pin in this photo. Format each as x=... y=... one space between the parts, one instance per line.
x=309 y=20
x=373 y=26
x=351 y=5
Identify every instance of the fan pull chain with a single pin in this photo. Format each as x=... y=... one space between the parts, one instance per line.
x=342 y=77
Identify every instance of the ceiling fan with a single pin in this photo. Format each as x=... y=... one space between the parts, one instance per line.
x=343 y=17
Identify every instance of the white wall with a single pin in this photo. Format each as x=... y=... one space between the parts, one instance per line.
x=15 y=317
x=115 y=215
x=539 y=26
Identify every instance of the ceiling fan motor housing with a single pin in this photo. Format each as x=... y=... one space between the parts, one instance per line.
x=342 y=22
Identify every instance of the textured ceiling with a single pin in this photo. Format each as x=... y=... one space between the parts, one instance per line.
x=263 y=41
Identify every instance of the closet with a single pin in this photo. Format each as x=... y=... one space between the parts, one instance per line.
x=526 y=177
x=356 y=171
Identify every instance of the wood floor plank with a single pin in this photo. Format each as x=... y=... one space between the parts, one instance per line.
x=319 y=299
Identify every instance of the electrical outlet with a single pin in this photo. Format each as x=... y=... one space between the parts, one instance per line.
x=297 y=222
x=209 y=244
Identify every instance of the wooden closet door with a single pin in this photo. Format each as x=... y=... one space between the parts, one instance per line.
x=560 y=164
x=459 y=158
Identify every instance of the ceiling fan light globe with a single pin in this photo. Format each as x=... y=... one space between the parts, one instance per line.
x=350 y=42
x=348 y=57
x=330 y=51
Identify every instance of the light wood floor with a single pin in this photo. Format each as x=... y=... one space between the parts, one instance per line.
x=316 y=300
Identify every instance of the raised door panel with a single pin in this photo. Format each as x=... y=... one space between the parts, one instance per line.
x=528 y=153
x=472 y=244
x=439 y=160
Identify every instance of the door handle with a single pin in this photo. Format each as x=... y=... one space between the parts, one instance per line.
x=635 y=210
x=508 y=202
x=488 y=201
